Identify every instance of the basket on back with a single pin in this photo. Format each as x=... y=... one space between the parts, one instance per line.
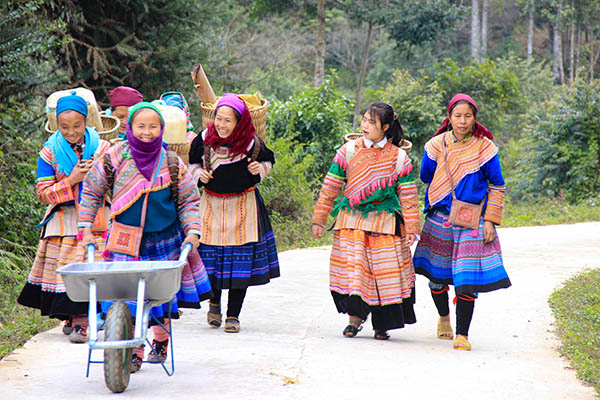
x=106 y=125
x=204 y=91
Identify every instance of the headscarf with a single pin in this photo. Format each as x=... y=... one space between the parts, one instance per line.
x=176 y=99
x=145 y=154
x=65 y=156
x=72 y=102
x=124 y=96
x=478 y=129
x=242 y=134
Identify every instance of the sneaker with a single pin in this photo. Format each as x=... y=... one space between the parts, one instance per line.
x=68 y=327
x=136 y=363
x=79 y=334
x=159 y=351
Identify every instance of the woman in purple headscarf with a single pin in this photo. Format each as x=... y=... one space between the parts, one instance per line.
x=237 y=243
x=140 y=170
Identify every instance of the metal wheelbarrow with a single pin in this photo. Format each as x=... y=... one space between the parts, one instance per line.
x=150 y=283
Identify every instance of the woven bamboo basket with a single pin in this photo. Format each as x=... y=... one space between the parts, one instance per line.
x=110 y=127
x=406 y=144
x=259 y=117
x=182 y=150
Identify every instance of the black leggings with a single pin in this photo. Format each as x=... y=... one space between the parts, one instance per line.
x=234 y=301
x=465 y=304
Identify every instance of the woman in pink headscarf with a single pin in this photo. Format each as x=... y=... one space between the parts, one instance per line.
x=237 y=244
x=461 y=163
x=121 y=98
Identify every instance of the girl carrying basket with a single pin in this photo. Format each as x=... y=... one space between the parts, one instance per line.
x=371 y=270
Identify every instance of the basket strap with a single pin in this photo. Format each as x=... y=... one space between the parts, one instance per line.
x=258 y=144
x=206 y=157
x=110 y=174
x=173 y=162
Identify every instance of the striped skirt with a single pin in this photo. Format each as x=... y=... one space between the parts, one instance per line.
x=237 y=267
x=45 y=289
x=376 y=267
x=163 y=246
x=452 y=255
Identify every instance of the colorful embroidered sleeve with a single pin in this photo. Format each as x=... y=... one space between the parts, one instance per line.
x=94 y=189
x=334 y=180
x=189 y=201
x=49 y=188
x=407 y=194
x=496 y=188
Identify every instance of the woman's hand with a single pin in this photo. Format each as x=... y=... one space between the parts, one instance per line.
x=79 y=171
x=410 y=239
x=317 y=231
x=205 y=176
x=88 y=237
x=254 y=167
x=193 y=239
x=489 y=232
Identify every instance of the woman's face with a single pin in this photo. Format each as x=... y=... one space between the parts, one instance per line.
x=225 y=121
x=71 y=125
x=146 y=125
x=371 y=127
x=121 y=112
x=462 y=119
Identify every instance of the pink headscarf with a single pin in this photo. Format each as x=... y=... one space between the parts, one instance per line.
x=242 y=134
x=478 y=129
x=124 y=96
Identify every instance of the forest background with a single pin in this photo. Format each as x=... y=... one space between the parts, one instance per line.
x=531 y=65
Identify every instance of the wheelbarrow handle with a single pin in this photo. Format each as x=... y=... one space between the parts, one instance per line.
x=91 y=252
x=185 y=252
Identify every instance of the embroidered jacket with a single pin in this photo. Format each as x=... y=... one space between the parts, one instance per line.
x=379 y=188
x=476 y=172
x=130 y=185
x=54 y=188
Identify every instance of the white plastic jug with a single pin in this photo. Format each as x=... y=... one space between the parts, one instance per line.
x=175 y=123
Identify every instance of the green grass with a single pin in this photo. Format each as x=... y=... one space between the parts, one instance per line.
x=576 y=308
x=550 y=212
x=17 y=323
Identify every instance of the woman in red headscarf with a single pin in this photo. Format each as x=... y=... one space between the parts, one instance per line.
x=237 y=244
x=461 y=163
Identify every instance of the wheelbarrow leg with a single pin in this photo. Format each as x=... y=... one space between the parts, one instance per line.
x=93 y=327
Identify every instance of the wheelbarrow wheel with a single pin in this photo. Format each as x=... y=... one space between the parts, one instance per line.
x=117 y=362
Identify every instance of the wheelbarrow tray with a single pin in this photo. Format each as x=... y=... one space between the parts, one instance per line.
x=119 y=280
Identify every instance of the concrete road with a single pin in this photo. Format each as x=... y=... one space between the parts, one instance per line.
x=291 y=346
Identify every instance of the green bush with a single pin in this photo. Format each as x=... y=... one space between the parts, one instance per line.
x=418 y=103
x=288 y=195
x=559 y=156
x=318 y=118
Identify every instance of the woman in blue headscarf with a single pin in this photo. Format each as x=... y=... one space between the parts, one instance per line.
x=62 y=165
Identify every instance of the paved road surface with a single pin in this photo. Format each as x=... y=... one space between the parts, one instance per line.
x=291 y=332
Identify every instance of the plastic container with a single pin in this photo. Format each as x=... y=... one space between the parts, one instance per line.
x=93 y=117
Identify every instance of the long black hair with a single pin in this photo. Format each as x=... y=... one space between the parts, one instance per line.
x=386 y=115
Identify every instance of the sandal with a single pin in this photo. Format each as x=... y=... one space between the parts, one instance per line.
x=462 y=343
x=232 y=325
x=444 y=329
x=381 y=335
x=214 y=316
x=353 y=327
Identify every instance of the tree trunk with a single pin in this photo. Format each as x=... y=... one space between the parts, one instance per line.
x=530 y=33
x=557 y=64
x=320 y=45
x=484 y=24
x=578 y=53
x=572 y=50
x=475 y=30
x=363 y=72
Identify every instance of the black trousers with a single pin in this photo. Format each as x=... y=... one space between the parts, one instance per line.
x=234 y=301
x=465 y=304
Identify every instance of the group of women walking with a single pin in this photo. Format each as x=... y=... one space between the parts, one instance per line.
x=377 y=220
x=135 y=200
